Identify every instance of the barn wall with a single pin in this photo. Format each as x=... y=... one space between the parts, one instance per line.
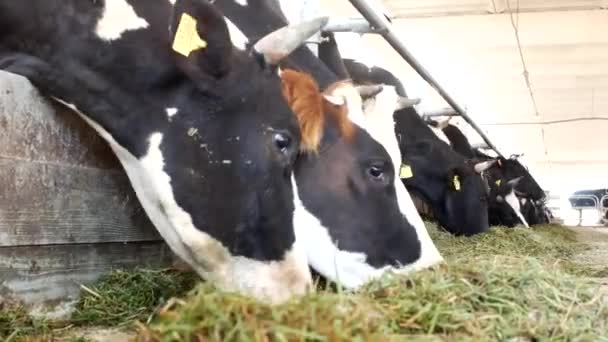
x=474 y=55
x=67 y=210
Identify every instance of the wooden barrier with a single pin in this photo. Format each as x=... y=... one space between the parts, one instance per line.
x=67 y=210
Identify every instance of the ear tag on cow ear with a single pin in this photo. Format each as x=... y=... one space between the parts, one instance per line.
x=456 y=182
x=186 y=38
x=405 y=172
x=498 y=181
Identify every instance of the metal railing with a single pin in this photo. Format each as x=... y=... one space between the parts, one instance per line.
x=598 y=205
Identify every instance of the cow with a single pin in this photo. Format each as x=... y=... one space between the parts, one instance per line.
x=504 y=207
x=432 y=170
x=347 y=189
x=512 y=183
x=354 y=218
x=202 y=129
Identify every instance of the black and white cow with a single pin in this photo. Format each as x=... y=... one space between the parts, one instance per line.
x=515 y=186
x=433 y=171
x=504 y=207
x=355 y=220
x=201 y=128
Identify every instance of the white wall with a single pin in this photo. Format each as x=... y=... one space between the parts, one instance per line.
x=475 y=57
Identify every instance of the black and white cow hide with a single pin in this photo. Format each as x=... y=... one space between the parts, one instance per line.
x=201 y=128
x=355 y=220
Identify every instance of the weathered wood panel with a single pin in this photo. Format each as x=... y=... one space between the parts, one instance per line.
x=67 y=210
x=45 y=204
x=38 y=274
x=36 y=129
x=60 y=182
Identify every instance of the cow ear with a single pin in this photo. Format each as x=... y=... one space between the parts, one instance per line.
x=200 y=39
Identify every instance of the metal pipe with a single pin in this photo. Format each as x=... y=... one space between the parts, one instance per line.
x=482 y=146
x=440 y=112
x=379 y=22
x=348 y=25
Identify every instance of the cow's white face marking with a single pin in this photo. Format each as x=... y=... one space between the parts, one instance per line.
x=513 y=202
x=349 y=269
x=241 y=2
x=238 y=38
x=274 y=281
x=172 y=2
x=349 y=95
x=171 y=112
x=118 y=17
x=324 y=255
x=380 y=124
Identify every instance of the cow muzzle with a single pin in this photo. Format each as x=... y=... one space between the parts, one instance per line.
x=273 y=282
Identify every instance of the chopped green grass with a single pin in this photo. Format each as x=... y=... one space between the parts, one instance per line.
x=523 y=284
x=498 y=298
x=508 y=283
x=117 y=299
x=122 y=297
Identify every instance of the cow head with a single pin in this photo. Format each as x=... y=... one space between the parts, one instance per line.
x=510 y=168
x=453 y=188
x=209 y=147
x=355 y=220
x=505 y=207
x=229 y=150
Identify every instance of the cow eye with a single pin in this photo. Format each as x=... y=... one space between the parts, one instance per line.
x=376 y=172
x=282 y=141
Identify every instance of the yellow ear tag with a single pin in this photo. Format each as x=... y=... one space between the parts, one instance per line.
x=456 y=182
x=405 y=172
x=498 y=181
x=186 y=38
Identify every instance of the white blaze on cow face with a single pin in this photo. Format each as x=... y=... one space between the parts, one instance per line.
x=118 y=17
x=380 y=124
x=513 y=202
x=172 y=2
x=241 y=2
x=238 y=38
x=347 y=93
x=347 y=268
x=274 y=281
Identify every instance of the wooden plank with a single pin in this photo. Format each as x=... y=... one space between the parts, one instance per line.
x=60 y=182
x=55 y=204
x=44 y=274
x=36 y=129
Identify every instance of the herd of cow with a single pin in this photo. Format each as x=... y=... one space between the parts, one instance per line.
x=253 y=157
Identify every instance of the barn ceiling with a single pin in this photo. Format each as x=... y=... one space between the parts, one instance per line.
x=435 y=8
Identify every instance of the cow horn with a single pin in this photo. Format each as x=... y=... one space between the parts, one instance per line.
x=369 y=90
x=404 y=102
x=280 y=43
x=513 y=182
x=482 y=166
x=443 y=124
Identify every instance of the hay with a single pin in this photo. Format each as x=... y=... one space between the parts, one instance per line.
x=508 y=283
x=523 y=284
x=122 y=297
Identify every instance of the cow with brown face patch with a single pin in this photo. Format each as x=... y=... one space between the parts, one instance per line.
x=436 y=174
x=352 y=212
x=202 y=129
